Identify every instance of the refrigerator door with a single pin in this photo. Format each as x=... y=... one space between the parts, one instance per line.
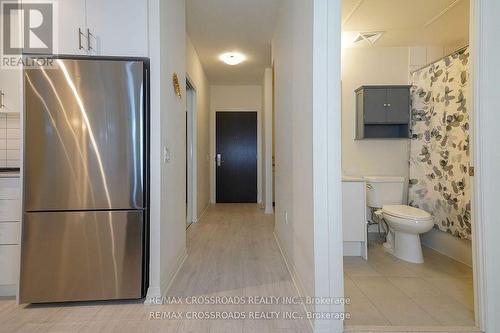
x=84 y=131
x=78 y=256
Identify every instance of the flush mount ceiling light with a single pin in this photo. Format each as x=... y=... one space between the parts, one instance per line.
x=232 y=58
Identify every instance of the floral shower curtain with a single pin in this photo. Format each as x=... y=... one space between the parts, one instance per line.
x=439 y=154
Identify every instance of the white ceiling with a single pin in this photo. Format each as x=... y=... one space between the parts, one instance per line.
x=408 y=22
x=247 y=26
x=218 y=26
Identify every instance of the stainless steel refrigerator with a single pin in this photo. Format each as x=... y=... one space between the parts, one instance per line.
x=85 y=187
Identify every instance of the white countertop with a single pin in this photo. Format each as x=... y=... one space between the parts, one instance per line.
x=13 y=174
x=353 y=179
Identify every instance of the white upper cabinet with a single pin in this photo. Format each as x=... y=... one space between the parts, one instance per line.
x=118 y=27
x=102 y=27
x=71 y=27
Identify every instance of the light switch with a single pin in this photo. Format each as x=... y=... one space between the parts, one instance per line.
x=166 y=155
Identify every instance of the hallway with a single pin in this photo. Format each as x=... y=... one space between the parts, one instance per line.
x=232 y=253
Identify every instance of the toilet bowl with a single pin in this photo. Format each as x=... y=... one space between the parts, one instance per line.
x=406 y=223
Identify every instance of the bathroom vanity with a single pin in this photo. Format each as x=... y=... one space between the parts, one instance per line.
x=354 y=218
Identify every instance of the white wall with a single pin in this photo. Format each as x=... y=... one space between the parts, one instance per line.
x=292 y=56
x=365 y=66
x=486 y=63
x=198 y=78
x=236 y=98
x=420 y=56
x=267 y=126
x=168 y=180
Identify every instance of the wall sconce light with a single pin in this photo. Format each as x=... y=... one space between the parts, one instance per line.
x=177 y=87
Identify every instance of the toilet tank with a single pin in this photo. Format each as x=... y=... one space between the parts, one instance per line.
x=384 y=191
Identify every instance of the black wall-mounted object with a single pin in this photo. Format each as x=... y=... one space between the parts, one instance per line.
x=383 y=112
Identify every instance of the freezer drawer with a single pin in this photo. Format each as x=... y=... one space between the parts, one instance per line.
x=77 y=256
x=84 y=136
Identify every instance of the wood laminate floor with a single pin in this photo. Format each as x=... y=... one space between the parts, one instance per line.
x=232 y=253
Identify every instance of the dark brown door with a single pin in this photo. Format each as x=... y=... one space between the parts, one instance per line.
x=236 y=156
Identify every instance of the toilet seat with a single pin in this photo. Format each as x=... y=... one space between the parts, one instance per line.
x=407 y=212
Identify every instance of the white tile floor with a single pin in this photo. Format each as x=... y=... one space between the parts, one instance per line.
x=386 y=291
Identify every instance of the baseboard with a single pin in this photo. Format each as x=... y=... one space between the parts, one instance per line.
x=269 y=210
x=410 y=329
x=353 y=249
x=296 y=280
x=153 y=294
x=198 y=219
x=166 y=284
x=8 y=290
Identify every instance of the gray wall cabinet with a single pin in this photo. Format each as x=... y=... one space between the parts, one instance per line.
x=383 y=112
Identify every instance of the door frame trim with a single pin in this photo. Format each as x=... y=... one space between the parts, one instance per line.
x=213 y=147
x=327 y=166
x=485 y=66
x=192 y=156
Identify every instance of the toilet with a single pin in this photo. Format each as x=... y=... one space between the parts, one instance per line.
x=386 y=196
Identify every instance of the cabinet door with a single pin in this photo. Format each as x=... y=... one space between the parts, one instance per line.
x=375 y=109
x=9 y=255
x=10 y=89
x=71 y=17
x=9 y=233
x=353 y=211
x=118 y=27
x=398 y=105
x=10 y=188
x=10 y=211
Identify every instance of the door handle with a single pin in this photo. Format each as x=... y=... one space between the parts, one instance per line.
x=89 y=42
x=219 y=160
x=2 y=96
x=80 y=34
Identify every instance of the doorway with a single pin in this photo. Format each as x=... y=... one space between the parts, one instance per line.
x=236 y=157
x=191 y=169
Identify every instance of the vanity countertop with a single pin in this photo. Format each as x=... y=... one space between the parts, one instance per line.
x=353 y=179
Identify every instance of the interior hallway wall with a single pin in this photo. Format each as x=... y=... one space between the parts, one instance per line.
x=267 y=146
x=168 y=177
x=371 y=66
x=198 y=78
x=235 y=98
x=293 y=60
